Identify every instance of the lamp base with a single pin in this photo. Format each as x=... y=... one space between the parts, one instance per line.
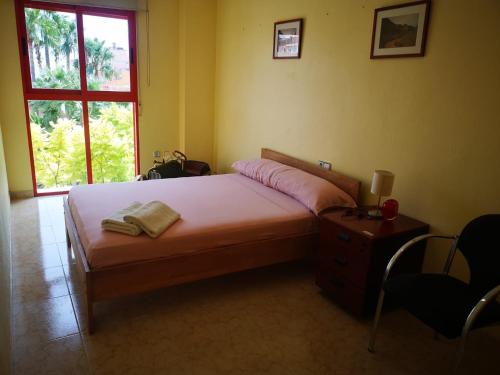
x=375 y=214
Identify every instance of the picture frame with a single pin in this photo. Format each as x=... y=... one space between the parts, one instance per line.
x=400 y=30
x=287 y=42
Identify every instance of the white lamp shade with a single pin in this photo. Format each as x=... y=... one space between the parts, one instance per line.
x=382 y=183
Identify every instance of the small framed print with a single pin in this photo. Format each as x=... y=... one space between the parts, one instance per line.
x=400 y=30
x=287 y=39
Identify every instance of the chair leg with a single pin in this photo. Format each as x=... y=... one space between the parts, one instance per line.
x=371 y=345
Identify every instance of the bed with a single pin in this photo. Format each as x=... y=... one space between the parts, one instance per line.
x=229 y=223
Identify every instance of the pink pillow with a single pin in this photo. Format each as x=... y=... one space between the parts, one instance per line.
x=313 y=192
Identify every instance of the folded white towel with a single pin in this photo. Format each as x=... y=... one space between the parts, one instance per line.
x=115 y=222
x=153 y=217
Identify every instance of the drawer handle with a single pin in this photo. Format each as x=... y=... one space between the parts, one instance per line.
x=343 y=237
x=341 y=260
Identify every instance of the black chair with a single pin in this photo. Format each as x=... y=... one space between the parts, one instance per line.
x=449 y=306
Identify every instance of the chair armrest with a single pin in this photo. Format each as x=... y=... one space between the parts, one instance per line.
x=407 y=246
x=483 y=302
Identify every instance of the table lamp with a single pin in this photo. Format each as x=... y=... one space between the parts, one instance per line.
x=382 y=186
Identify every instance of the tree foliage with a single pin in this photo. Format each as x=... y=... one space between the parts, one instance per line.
x=56 y=34
x=99 y=58
x=60 y=153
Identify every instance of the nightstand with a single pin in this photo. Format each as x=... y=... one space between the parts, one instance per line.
x=354 y=253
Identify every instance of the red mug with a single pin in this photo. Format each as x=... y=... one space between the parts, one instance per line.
x=390 y=209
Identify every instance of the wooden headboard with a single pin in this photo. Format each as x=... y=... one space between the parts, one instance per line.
x=350 y=185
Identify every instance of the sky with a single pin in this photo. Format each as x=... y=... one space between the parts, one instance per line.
x=410 y=19
x=112 y=30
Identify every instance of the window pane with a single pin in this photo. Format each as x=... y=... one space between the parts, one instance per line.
x=112 y=141
x=53 y=49
x=107 y=53
x=58 y=144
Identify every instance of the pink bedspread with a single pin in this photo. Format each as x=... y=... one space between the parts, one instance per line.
x=215 y=211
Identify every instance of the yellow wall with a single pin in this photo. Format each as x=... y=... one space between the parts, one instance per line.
x=433 y=121
x=12 y=104
x=158 y=115
x=159 y=119
x=197 y=19
x=4 y=266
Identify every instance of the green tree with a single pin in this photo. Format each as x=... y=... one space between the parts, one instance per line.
x=60 y=158
x=57 y=34
x=112 y=144
x=33 y=38
x=69 y=42
x=98 y=58
x=50 y=34
x=50 y=152
x=76 y=163
x=48 y=112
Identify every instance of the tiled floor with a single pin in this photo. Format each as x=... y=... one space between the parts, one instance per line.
x=267 y=321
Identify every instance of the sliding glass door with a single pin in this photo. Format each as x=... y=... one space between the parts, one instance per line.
x=80 y=90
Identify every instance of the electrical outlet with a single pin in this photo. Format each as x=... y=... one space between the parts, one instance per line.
x=156 y=154
x=325 y=165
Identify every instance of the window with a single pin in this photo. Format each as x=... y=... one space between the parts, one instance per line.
x=80 y=89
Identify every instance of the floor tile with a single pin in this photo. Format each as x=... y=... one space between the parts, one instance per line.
x=42 y=284
x=43 y=320
x=74 y=279
x=43 y=256
x=60 y=356
x=67 y=256
x=47 y=235
x=59 y=230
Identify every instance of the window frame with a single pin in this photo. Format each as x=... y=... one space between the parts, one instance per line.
x=82 y=95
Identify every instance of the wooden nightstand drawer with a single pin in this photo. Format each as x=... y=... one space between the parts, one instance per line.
x=335 y=235
x=344 y=293
x=349 y=263
x=354 y=252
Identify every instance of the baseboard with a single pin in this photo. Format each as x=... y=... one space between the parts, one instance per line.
x=21 y=194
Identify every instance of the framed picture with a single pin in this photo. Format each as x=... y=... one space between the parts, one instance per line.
x=287 y=39
x=400 y=30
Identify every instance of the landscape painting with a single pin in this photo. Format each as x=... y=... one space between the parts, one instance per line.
x=287 y=39
x=400 y=30
x=288 y=42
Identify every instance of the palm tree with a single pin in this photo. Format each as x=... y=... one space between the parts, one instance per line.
x=33 y=38
x=50 y=34
x=61 y=24
x=98 y=58
x=69 y=42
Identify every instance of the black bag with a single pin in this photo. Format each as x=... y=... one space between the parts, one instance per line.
x=179 y=167
x=170 y=169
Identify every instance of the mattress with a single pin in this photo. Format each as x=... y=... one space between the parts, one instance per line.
x=216 y=211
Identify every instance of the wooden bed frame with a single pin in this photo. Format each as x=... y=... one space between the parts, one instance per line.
x=114 y=281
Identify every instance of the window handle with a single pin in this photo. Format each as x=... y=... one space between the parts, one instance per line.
x=131 y=56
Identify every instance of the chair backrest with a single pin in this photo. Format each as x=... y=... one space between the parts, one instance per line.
x=480 y=244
